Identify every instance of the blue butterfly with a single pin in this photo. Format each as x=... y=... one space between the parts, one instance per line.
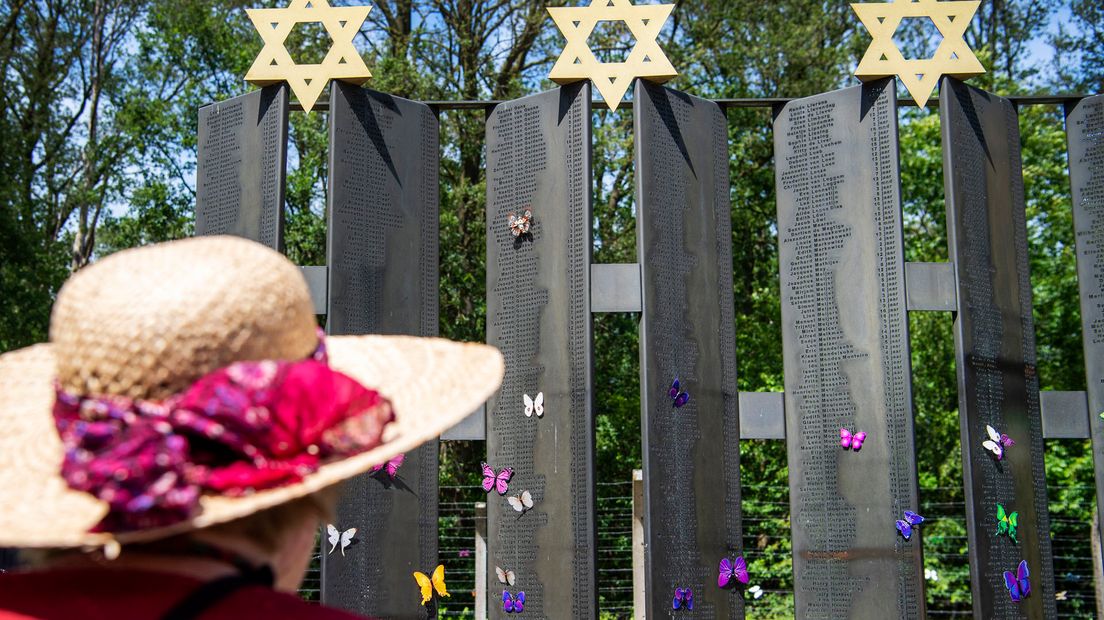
x=684 y=597
x=513 y=605
x=1019 y=585
x=678 y=396
x=904 y=526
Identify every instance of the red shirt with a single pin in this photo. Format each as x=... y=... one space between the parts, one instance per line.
x=114 y=594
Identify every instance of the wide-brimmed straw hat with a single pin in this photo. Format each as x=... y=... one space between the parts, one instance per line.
x=147 y=324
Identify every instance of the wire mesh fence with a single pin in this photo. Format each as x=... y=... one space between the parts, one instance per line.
x=767 y=547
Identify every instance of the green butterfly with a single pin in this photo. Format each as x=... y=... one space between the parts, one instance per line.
x=1006 y=523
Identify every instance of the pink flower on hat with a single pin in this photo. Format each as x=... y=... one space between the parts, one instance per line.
x=247 y=427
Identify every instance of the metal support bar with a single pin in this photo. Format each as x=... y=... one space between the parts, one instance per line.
x=930 y=286
x=317 y=277
x=762 y=415
x=481 y=561
x=615 y=287
x=639 y=599
x=1065 y=415
x=323 y=105
x=473 y=427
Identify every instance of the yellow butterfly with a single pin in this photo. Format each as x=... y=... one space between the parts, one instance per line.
x=429 y=585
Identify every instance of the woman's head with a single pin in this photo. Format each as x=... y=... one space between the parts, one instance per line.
x=186 y=386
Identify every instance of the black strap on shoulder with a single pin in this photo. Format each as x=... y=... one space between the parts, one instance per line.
x=213 y=592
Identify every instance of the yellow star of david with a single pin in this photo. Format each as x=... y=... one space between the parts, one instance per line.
x=920 y=76
x=342 y=62
x=612 y=79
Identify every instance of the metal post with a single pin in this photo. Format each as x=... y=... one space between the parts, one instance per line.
x=638 y=544
x=538 y=314
x=687 y=331
x=995 y=348
x=481 y=561
x=1098 y=565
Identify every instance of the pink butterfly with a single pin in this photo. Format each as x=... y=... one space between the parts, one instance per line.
x=392 y=466
x=499 y=482
x=854 y=442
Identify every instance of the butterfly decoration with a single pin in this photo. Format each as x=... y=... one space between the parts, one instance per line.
x=1061 y=596
x=997 y=442
x=334 y=536
x=904 y=526
x=854 y=442
x=391 y=467
x=464 y=553
x=677 y=395
x=428 y=585
x=519 y=224
x=1019 y=584
x=684 y=597
x=513 y=605
x=521 y=503
x=755 y=591
x=728 y=570
x=500 y=481
x=534 y=405
x=1007 y=522
x=505 y=577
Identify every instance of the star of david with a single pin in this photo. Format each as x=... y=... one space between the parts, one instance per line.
x=612 y=79
x=953 y=57
x=342 y=62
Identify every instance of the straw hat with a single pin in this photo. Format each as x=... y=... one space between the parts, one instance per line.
x=147 y=323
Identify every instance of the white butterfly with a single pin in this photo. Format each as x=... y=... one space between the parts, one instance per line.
x=534 y=406
x=522 y=502
x=345 y=538
x=505 y=576
x=755 y=591
x=997 y=442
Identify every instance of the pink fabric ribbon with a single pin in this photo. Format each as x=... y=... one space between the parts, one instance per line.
x=247 y=427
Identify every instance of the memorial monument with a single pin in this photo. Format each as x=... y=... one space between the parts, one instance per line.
x=845 y=296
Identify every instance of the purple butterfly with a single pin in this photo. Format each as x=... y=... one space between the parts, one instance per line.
x=854 y=442
x=1019 y=585
x=678 y=397
x=728 y=569
x=499 y=482
x=684 y=597
x=905 y=525
x=514 y=605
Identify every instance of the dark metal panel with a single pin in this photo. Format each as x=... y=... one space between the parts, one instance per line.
x=382 y=259
x=930 y=287
x=995 y=348
x=1085 y=137
x=846 y=357
x=615 y=288
x=538 y=314
x=691 y=454
x=240 y=167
